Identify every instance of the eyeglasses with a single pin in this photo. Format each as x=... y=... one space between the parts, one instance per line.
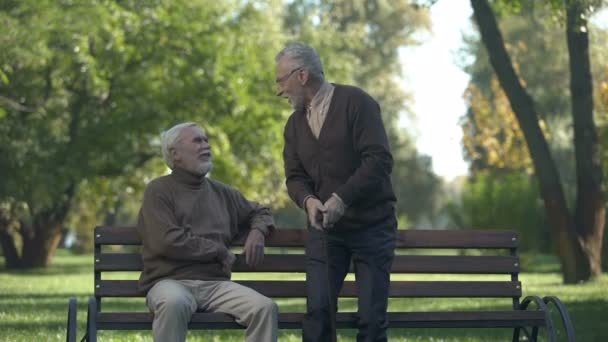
x=286 y=77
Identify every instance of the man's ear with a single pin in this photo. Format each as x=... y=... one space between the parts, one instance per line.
x=303 y=76
x=174 y=155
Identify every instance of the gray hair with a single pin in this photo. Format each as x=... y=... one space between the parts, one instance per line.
x=303 y=55
x=169 y=138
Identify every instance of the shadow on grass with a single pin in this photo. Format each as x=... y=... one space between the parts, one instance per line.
x=53 y=270
x=61 y=296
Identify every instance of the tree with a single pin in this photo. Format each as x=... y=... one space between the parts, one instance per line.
x=87 y=87
x=492 y=139
x=578 y=235
x=539 y=54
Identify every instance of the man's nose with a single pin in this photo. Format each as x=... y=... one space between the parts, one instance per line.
x=280 y=90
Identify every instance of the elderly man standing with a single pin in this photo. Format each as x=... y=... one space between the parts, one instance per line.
x=338 y=164
x=187 y=222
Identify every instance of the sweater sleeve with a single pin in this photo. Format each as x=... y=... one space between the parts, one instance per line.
x=251 y=215
x=161 y=233
x=371 y=143
x=299 y=184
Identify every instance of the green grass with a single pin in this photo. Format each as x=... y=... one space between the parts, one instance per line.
x=33 y=306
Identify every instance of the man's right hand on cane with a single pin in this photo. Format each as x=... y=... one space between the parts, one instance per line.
x=315 y=210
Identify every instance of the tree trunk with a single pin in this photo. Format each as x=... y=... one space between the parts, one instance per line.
x=590 y=210
x=7 y=241
x=39 y=247
x=41 y=238
x=562 y=222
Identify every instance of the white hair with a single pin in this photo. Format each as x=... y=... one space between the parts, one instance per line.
x=169 y=138
x=303 y=56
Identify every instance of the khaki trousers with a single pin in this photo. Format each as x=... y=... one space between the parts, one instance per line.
x=174 y=301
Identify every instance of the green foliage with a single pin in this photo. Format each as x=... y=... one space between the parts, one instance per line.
x=108 y=201
x=555 y=8
x=416 y=186
x=87 y=86
x=103 y=79
x=505 y=201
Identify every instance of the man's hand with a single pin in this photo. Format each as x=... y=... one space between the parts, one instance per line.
x=254 y=248
x=227 y=261
x=334 y=211
x=316 y=210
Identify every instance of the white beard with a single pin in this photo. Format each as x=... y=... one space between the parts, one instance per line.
x=297 y=102
x=204 y=167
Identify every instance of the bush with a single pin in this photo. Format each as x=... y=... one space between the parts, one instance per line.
x=506 y=201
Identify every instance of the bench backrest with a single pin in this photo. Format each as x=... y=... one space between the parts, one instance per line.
x=418 y=252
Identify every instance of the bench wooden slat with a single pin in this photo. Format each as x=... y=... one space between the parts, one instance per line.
x=449 y=319
x=296 y=263
x=456 y=264
x=419 y=238
x=116 y=235
x=414 y=238
x=398 y=289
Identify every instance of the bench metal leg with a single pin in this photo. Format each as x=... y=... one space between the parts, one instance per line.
x=540 y=305
x=71 y=328
x=91 y=335
x=534 y=333
x=563 y=312
x=529 y=337
x=515 y=335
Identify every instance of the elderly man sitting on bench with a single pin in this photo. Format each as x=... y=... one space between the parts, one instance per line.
x=187 y=222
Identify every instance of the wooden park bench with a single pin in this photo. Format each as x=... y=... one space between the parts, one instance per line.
x=418 y=252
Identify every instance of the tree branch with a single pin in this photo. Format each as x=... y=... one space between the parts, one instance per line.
x=16 y=105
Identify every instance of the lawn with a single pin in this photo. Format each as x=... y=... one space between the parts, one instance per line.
x=33 y=306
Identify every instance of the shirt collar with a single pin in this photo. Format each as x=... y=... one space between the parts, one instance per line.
x=323 y=91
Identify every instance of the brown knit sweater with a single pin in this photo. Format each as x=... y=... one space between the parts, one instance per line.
x=187 y=224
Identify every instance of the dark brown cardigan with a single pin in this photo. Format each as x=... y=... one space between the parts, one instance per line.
x=351 y=158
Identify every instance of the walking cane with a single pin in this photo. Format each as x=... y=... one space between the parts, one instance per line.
x=330 y=289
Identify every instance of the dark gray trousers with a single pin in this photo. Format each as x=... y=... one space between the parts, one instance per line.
x=371 y=251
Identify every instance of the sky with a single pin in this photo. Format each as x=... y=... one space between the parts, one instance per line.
x=431 y=74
